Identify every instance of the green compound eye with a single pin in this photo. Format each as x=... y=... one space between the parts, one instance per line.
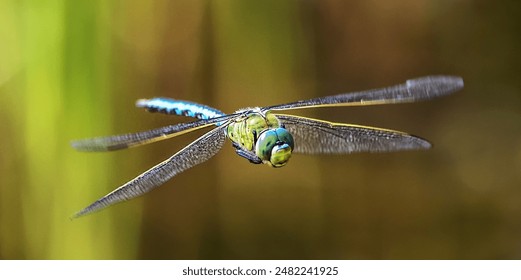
x=274 y=146
x=285 y=136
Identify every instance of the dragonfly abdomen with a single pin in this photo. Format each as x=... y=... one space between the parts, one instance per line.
x=179 y=107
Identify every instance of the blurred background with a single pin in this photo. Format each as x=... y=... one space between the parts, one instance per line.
x=73 y=69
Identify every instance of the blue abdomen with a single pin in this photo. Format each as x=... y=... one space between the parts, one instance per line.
x=179 y=108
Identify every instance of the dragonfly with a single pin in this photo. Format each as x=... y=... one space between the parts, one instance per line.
x=263 y=134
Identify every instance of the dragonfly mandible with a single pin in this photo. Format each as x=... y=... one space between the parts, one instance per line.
x=263 y=135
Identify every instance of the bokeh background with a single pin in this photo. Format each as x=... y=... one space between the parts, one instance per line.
x=73 y=69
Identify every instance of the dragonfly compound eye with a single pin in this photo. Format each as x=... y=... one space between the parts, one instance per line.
x=274 y=146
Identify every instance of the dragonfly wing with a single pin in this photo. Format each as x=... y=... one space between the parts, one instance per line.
x=197 y=152
x=320 y=137
x=118 y=142
x=412 y=90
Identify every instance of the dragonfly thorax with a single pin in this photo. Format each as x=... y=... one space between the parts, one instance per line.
x=262 y=133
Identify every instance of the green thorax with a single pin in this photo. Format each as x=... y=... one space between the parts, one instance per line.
x=244 y=130
x=262 y=133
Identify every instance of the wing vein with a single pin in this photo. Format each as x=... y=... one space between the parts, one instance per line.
x=412 y=90
x=321 y=137
x=197 y=152
x=118 y=142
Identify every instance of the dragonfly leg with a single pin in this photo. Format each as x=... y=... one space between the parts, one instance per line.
x=253 y=158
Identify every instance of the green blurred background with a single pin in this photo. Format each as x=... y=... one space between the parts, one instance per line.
x=73 y=69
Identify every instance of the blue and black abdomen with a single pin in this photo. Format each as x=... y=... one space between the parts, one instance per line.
x=179 y=108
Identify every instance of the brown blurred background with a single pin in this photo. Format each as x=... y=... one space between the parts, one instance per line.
x=73 y=69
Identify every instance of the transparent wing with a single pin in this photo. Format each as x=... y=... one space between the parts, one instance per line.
x=118 y=142
x=412 y=90
x=197 y=152
x=320 y=137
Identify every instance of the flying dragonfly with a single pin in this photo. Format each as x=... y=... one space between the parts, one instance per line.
x=263 y=135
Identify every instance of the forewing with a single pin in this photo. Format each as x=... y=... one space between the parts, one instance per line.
x=118 y=142
x=197 y=152
x=412 y=90
x=320 y=137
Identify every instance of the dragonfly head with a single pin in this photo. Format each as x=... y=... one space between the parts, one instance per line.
x=274 y=146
